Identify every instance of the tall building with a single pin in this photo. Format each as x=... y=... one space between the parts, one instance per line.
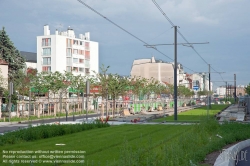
x=159 y=70
x=63 y=51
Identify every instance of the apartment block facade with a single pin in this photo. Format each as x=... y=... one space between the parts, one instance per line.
x=63 y=51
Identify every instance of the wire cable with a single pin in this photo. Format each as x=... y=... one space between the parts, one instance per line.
x=190 y=45
x=145 y=43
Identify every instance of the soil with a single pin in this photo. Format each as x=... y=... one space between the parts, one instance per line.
x=211 y=158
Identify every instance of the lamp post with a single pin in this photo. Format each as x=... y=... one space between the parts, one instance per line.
x=73 y=109
x=106 y=102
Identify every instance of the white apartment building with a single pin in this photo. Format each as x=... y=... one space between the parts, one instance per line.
x=63 y=51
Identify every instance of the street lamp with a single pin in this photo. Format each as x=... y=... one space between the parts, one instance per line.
x=106 y=102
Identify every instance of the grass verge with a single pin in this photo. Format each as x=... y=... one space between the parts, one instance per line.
x=194 y=115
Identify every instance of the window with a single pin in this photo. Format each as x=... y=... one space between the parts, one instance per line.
x=46 y=68
x=75 y=60
x=87 y=71
x=75 y=51
x=81 y=43
x=87 y=54
x=75 y=69
x=87 y=46
x=81 y=69
x=68 y=61
x=81 y=52
x=75 y=42
x=87 y=63
x=68 y=68
x=81 y=60
x=46 y=42
x=68 y=52
x=69 y=43
x=46 y=51
x=46 y=61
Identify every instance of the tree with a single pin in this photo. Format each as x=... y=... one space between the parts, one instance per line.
x=247 y=89
x=116 y=87
x=10 y=54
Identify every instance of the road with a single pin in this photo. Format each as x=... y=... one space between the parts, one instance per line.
x=5 y=127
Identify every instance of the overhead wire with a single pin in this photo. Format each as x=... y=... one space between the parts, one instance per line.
x=145 y=43
x=164 y=14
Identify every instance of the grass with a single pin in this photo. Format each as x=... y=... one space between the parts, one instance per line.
x=154 y=145
x=194 y=115
x=104 y=145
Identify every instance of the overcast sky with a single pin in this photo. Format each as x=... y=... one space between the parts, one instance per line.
x=225 y=24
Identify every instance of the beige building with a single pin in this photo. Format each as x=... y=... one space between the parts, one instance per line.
x=4 y=73
x=3 y=79
x=159 y=70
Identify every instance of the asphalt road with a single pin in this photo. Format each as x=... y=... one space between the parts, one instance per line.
x=14 y=125
x=243 y=157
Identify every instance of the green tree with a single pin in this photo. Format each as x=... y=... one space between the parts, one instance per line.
x=10 y=54
x=247 y=89
x=116 y=87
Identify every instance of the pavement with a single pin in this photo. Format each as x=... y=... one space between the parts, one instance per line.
x=118 y=120
x=234 y=112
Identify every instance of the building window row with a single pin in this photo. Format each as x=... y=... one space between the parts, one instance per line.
x=77 y=69
x=68 y=61
x=75 y=60
x=69 y=42
x=68 y=52
x=46 y=61
x=46 y=68
x=46 y=51
x=46 y=42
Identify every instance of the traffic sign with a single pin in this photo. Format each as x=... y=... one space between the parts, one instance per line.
x=195 y=87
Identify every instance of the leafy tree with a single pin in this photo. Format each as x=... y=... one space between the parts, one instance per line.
x=204 y=93
x=116 y=87
x=247 y=89
x=137 y=85
x=10 y=54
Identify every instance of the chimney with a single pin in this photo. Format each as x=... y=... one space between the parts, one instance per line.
x=46 y=30
x=56 y=32
x=87 y=36
x=80 y=36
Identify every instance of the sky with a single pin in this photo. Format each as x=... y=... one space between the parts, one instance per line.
x=225 y=24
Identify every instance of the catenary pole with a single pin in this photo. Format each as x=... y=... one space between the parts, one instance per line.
x=175 y=73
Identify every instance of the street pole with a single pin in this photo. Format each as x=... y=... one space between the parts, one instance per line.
x=107 y=103
x=73 y=109
x=60 y=106
x=87 y=99
x=209 y=78
x=10 y=93
x=83 y=102
x=30 y=102
x=226 y=91
x=175 y=73
x=234 y=88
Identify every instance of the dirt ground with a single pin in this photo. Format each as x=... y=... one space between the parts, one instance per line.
x=210 y=158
